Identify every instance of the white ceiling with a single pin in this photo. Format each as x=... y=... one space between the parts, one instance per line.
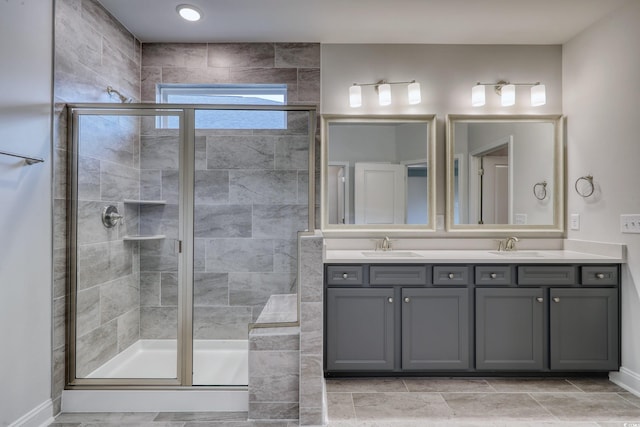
x=363 y=21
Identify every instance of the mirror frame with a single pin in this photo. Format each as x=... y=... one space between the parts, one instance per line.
x=398 y=230
x=551 y=230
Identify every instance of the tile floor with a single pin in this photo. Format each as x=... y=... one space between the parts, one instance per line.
x=428 y=402
x=470 y=402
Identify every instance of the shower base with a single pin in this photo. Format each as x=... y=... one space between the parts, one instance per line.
x=220 y=363
x=215 y=362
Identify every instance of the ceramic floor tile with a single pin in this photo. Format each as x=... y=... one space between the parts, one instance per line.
x=366 y=385
x=589 y=406
x=630 y=398
x=399 y=406
x=533 y=385
x=106 y=417
x=201 y=416
x=596 y=385
x=440 y=385
x=340 y=407
x=516 y=406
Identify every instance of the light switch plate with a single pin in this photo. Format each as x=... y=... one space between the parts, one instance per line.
x=575 y=222
x=521 y=219
x=630 y=223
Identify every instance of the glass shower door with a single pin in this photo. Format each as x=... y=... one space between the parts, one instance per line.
x=125 y=242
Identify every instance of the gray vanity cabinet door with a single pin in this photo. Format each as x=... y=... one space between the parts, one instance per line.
x=360 y=329
x=584 y=329
x=509 y=329
x=435 y=329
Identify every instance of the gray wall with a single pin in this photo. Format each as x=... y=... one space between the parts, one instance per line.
x=93 y=51
x=25 y=216
x=602 y=140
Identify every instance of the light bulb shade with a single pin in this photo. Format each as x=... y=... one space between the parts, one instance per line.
x=415 y=96
x=538 y=95
x=189 y=12
x=355 y=96
x=384 y=94
x=508 y=95
x=478 y=95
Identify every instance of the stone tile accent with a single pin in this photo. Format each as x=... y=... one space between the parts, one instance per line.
x=233 y=55
x=213 y=323
x=222 y=221
x=311 y=327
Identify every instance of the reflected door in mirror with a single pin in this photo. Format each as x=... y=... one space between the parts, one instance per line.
x=380 y=193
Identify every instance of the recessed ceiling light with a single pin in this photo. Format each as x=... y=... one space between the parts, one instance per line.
x=188 y=12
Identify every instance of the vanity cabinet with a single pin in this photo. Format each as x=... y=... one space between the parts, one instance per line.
x=509 y=329
x=395 y=323
x=583 y=329
x=404 y=319
x=360 y=329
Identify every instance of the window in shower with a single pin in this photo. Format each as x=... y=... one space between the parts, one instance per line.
x=227 y=94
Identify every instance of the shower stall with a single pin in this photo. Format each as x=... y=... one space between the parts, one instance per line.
x=181 y=229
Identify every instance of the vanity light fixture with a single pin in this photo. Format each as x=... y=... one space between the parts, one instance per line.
x=189 y=13
x=507 y=92
x=383 y=88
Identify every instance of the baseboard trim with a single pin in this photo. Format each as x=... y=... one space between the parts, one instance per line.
x=627 y=379
x=40 y=416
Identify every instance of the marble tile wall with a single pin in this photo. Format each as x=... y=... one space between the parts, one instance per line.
x=93 y=51
x=312 y=384
x=250 y=185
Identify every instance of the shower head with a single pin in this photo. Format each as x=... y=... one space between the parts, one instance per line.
x=123 y=98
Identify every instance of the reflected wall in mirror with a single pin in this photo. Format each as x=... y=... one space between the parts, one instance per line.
x=378 y=172
x=505 y=173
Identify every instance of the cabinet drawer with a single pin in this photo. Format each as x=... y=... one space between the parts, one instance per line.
x=450 y=275
x=398 y=275
x=493 y=275
x=547 y=275
x=599 y=275
x=345 y=275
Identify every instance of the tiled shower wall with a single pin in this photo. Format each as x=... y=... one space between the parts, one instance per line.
x=251 y=194
x=92 y=51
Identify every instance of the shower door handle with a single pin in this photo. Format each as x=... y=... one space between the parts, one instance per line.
x=178 y=246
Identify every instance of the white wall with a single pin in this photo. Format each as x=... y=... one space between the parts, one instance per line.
x=601 y=67
x=446 y=74
x=25 y=213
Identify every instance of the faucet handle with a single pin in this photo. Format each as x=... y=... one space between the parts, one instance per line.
x=500 y=245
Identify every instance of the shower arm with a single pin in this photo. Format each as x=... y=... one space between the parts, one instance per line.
x=123 y=99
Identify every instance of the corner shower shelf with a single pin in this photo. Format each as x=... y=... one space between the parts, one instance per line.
x=138 y=238
x=145 y=202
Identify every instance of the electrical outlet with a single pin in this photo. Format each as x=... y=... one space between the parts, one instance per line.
x=521 y=219
x=630 y=223
x=575 y=222
x=439 y=222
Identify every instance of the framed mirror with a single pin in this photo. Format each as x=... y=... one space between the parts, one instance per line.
x=378 y=173
x=505 y=173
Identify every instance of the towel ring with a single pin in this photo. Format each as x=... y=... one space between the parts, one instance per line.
x=540 y=194
x=589 y=188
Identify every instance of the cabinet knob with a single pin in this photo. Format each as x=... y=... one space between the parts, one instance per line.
x=390 y=299
x=451 y=276
x=406 y=299
x=600 y=275
x=493 y=275
x=540 y=299
x=345 y=276
x=556 y=299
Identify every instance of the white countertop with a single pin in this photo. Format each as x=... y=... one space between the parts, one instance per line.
x=409 y=256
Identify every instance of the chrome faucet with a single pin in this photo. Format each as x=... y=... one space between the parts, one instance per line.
x=510 y=244
x=385 y=244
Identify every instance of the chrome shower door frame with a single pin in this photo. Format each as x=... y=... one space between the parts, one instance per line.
x=187 y=134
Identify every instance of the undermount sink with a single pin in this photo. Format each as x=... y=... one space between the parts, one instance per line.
x=390 y=254
x=517 y=254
